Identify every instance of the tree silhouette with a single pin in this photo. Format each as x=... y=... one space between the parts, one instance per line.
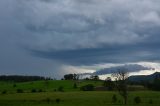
x=121 y=77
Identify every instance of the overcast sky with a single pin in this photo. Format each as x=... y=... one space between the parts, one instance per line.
x=54 y=37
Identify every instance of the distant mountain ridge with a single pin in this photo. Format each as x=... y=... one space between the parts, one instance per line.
x=139 y=78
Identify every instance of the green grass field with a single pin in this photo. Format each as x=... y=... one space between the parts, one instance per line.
x=76 y=99
x=70 y=96
x=48 y=86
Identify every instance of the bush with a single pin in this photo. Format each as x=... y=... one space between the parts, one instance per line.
x=19 y=91
x=33 y=90
x=57 y=100
x=4 y=92
x=40 y=90
x=114 y=98
x=150 y=101
x=14 y=85
x=48 y=100
x=74 y=85
x=61 y=89
x=137 y=100
x=88 y=87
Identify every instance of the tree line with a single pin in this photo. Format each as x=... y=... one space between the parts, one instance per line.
x=19 y=78
x=77 y=77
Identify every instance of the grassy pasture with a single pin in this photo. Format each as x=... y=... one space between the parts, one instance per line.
x=78 y=98
x=48 y=86
x=70 y=96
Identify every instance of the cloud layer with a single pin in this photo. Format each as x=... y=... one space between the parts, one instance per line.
x=50 y=33
x=75 y=31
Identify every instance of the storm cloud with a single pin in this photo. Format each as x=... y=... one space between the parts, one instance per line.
x=53 y=33
x=128 y=68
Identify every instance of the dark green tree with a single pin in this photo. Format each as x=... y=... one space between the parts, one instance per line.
x=114 y=98
x=137 y=100
x=109 y=84
x=75 y=85
x=71 y=77
x=94 y=77
x=156 y=84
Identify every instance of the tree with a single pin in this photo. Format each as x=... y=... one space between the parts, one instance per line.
x=19 y=91
x=114 y=98
x=109 y=83
x=60 y=88
x=156 y=84
x=68 y=77
x=71 y=77
x=58 y=100
x=46 y=83
x=137 y=100
x=121 y=83
x=75 y=85
x=94 y=77
x=75 y=76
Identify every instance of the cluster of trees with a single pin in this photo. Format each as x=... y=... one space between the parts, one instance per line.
x=94 y=77
x=77 y=76
x=18 y=78
x=71 y=77
x=109 y=84
x=151 y=85
x=156 y=84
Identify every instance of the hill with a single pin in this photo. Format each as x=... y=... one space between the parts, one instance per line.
x=46 y=85
x=140 y=78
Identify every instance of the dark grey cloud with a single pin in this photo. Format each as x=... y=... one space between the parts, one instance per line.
x=51 y=33
x=128 y=68
x=111 y=54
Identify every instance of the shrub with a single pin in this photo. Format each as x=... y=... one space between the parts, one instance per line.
x=137 y=100
x=61 y=89
x=40 y=90
x=46 y=82
x=33 y=90
x=4 y=92
x=75 y=85
x=48 y=100
x=19 y=91
x=88 y=87
x=14 y=85
x=150 y=101
x=57 y=100
x=114 y=98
